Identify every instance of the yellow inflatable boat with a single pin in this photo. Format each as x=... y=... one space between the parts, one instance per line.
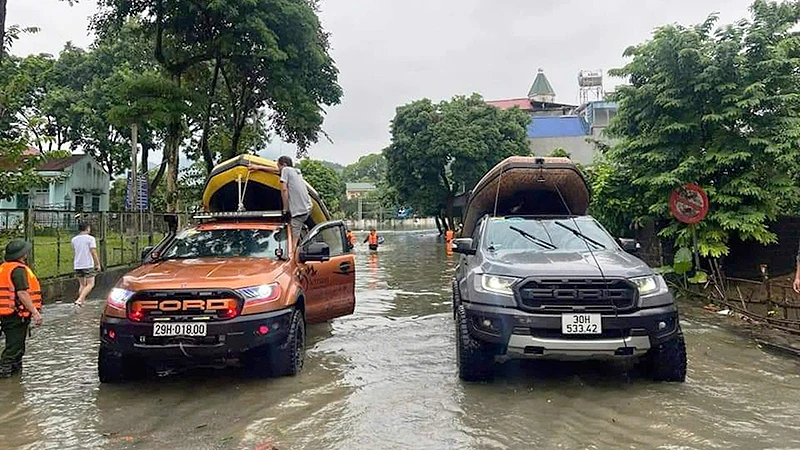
x=232 y=181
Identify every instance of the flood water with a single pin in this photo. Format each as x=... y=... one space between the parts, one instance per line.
x=385 y=378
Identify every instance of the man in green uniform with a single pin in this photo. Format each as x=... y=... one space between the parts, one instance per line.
x=15 y=326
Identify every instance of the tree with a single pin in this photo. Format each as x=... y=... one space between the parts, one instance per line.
x=325 y=181
x=368 y=169
x=721 y=109
x=560 y=152
x=440 y=150
x=265 y=53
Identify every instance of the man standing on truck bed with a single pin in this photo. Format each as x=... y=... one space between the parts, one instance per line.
x=20 y=299
x=294 y=193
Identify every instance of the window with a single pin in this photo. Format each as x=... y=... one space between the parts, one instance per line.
x=539 y=235
x=23 y=200
x=96 y=203
x=196 y=243
x=78 y=203
x=332 y=236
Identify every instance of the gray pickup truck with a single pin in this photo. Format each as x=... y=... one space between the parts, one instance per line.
x=559 y=286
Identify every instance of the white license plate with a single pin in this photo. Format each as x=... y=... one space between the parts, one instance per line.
x=581 y=324
x=179 y=329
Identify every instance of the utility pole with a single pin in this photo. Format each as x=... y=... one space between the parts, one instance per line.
x=135 y=185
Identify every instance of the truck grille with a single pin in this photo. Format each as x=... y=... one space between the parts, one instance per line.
x=180 y=305
x=565 y=295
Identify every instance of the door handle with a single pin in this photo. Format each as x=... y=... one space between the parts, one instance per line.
x=344 y=267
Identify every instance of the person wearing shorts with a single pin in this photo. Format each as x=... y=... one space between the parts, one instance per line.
x=294 y=194
x=86 y=262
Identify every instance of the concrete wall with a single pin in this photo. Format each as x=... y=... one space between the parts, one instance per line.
x=579 y=149
x=66 y=288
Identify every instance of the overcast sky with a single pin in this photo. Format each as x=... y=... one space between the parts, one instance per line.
x=391 y=52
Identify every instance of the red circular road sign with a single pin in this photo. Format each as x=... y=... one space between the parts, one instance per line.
x=689 y=203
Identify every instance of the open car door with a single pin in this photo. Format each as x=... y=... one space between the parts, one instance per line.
x=329 y=269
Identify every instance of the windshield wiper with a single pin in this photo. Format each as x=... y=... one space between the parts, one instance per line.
x=580 y=235
x=534 y=239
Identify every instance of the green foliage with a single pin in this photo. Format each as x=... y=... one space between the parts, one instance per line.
x=439 y=150
x=720 y=109
x=326 y=182
x=613 y=200
x=560 y=152
x=368 y=169
x=259 y=53
x=683 y=261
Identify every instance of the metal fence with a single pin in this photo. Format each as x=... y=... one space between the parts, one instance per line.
x=121 y=236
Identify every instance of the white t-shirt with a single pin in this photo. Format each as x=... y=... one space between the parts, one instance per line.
x=299 y=200
x=81 y=246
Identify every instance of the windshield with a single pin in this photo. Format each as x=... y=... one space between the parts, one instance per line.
x=195 y=243
x=539 y=235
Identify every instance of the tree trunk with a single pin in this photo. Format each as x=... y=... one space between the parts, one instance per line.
x=451 y=223
x=207 y=156
x=171 y=154
x=2 y=28
x=438 y=224
x=159 y=175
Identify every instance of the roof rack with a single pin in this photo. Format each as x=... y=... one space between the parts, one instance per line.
x=239 y=215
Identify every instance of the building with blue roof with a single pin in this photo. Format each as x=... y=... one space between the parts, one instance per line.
x=557 y=125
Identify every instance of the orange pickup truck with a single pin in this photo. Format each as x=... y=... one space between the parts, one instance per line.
x=228 y=290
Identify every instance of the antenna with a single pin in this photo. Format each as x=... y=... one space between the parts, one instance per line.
x=497 y=191
x=594 y=258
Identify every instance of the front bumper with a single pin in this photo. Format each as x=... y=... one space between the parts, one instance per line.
x=227 y=339
x=525 y=335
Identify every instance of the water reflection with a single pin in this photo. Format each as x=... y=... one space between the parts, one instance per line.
x=385 y=378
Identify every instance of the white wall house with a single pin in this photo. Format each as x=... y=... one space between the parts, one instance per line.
x=77 y=182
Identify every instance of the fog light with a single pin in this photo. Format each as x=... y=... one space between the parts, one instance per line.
x=487 y=323
x=662 y=325
x=263 y=329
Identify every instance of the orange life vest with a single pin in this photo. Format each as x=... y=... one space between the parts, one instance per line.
x=9 y=304
x=352 y=238
x=448 y=235
x=373 y=239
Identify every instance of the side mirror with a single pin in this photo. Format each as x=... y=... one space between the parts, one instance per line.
x=146 y=252
x=630 y=245
x=463 y=246
x=315 y=251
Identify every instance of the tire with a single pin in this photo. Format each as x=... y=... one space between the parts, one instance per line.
x=456 y=298
x=475 y=358
x=667 y=362
x=286 y=358
x=113 y=367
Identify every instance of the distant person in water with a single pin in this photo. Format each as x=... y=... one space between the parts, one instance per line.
x=86 y=262
x=351 y=239
x=373 y=240
x=294 y=194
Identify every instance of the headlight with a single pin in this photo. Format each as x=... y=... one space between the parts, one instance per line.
x=650 y=285
x=498 y=284
x=118 y=297
x=261 y=294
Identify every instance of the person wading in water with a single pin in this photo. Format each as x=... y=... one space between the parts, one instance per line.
x=20 y=301
x=87 y=262
x=373 y=240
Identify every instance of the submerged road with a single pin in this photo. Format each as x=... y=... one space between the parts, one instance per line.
x=385 y=378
